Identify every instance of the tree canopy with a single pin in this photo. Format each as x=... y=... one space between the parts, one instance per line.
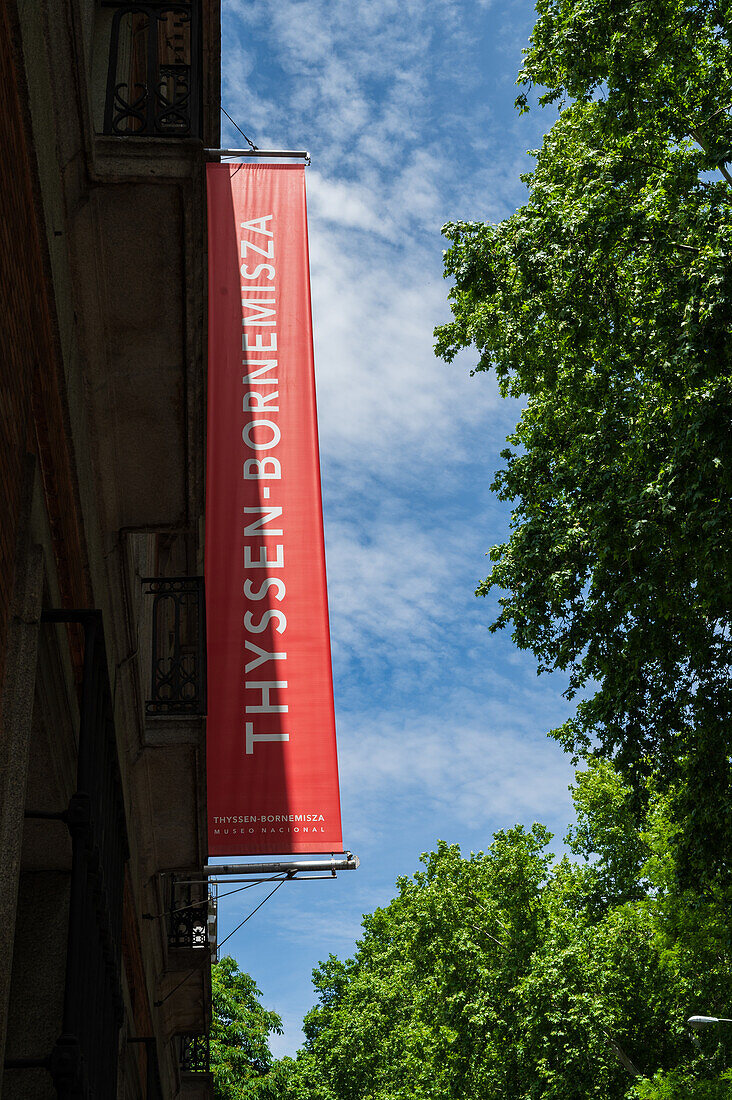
x=509 y=976
x=605 y=303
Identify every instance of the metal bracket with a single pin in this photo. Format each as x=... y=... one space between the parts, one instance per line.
x=289 y=868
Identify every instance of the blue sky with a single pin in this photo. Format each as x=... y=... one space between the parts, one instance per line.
x=406 y=107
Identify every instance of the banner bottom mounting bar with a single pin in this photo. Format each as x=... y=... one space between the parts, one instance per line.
x=349 y=863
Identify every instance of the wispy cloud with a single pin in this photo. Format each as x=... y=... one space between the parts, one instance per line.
x=359 y=85
x=478 y=771
x=394 y=594
x=328 y=924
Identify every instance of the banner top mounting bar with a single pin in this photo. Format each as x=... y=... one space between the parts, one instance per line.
x=293 y=154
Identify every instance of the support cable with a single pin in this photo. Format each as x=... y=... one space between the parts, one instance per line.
x=207 y=959
x=249 y=141
x=199 y=904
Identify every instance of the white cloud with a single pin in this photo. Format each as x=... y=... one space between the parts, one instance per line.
x=392 y=588
x=354 y=73
x=358 y=84
x=451 y=767
x=326 y=923
x=383 y=398
x=346 y=204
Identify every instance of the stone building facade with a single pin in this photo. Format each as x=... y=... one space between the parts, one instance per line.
x=105 y=924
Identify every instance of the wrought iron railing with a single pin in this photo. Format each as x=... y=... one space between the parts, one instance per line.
x=193 y=1053
x=178 y=658
x=188 y=914
x=154 y=74
x=212 y=923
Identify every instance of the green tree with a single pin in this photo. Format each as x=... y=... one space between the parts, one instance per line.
x=241 y=1061
x=507 y=976
x=682 y=1086
x=605 y=303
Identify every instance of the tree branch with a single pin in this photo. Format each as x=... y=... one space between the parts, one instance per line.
x=623 y=1058
x=705 y=149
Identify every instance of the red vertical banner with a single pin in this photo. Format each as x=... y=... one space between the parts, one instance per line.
x=271 y=752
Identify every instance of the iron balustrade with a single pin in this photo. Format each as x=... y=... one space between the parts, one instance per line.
x=178 y=659
x=188 y=915
x=155 y=66
x=194 y=1053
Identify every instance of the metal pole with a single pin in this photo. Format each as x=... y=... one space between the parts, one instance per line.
x=350 y=863
x=67 y=1057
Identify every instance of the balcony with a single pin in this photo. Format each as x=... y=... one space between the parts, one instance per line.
x=177 y=686
x=193 y=1062
x=154 y=75
x=193 y=1053
x=192 y=914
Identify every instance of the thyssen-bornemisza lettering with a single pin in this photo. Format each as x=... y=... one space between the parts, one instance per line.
x=241 y=819
x=261 y=434
x=248 y=824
